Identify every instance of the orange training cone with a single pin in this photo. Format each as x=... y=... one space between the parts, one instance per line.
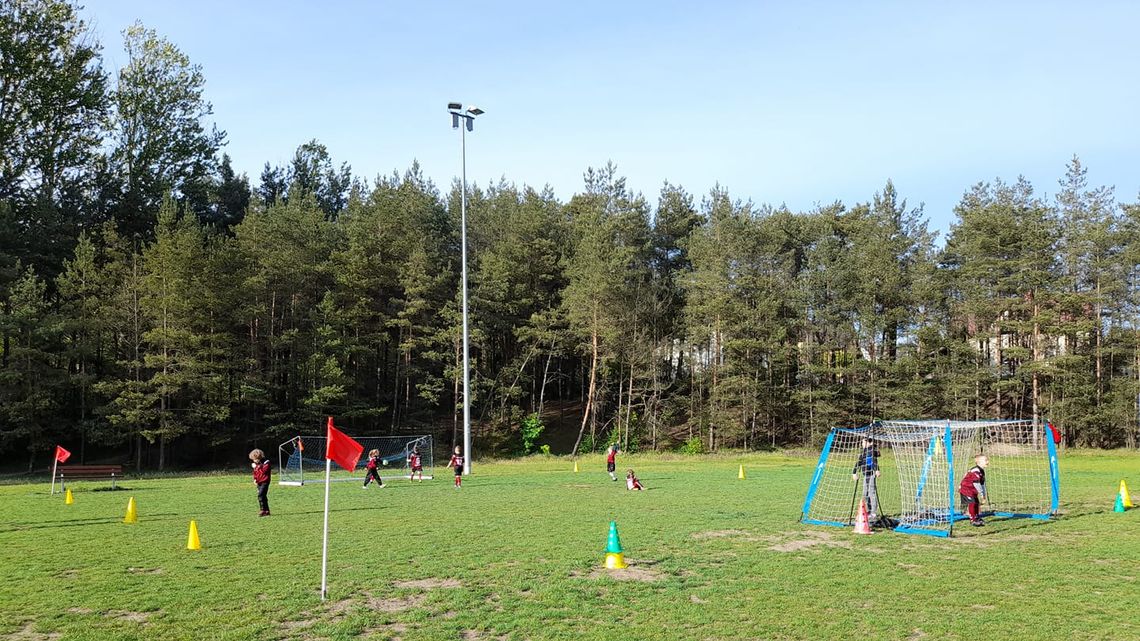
x=192 y=542
x=69 y=499
x=132 y=512
x=861 y=525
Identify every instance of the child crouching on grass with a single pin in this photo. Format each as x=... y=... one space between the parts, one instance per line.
x=261 y=479
x=632 y=482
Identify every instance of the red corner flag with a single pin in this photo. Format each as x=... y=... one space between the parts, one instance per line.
x=1056 y=432
x=342 y=449
x=61 y=455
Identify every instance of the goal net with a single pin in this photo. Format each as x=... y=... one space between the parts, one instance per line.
x=920 y=465
x=301 y=459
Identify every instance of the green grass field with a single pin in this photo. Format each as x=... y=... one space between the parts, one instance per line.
x=517 y=553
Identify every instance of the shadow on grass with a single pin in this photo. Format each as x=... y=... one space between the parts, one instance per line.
x=41 y=525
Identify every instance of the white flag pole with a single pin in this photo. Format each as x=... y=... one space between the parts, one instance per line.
x=54 y=467
x=325 y=546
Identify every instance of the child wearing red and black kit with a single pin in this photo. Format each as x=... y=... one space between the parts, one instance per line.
x=415 y=464
x=973 y=489
x=457 y=463
x=261 y=476
x=370 y=469
x=611 y=461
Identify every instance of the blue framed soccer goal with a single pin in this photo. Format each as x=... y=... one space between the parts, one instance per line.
x=921 y=464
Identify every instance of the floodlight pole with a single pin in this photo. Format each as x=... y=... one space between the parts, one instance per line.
x=468 y=118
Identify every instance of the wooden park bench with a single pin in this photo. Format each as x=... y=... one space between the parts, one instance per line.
x=72 y=472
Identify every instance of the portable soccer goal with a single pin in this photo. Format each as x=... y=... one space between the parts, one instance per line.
x=921 y=465
x=301 y=459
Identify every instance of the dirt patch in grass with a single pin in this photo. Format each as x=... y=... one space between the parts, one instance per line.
x=578 y=486
x=145 y=570
x=631 y=573
x=723 y=534
x=79 y=610
x=68 y=574
x=129 y=616
x=395 y=604
x=428 y=584
x=28 y=634
x=696 y=599
x=475 y=635
x=809 y=540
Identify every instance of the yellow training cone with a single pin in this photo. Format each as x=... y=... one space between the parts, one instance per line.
x=575 y=466
x=1125 y=497
x=132 y=513
x=69 y=500
x=741 y=474
x=192 y=543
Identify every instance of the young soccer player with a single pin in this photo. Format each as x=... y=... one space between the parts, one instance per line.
x=370 y=469
x=973 y=489
x=611 y=461
x=632 y=482
x=867 y=466
x=415 y=464
x=261 y=475
x=457 y=463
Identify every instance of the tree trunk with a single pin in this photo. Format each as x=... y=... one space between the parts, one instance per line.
x=593 y=382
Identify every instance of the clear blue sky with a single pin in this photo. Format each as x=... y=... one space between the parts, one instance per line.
x=795 y=102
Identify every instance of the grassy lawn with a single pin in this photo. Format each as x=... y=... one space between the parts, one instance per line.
x=516 y=554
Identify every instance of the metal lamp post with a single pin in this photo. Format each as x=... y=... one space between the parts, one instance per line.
x=468 y=117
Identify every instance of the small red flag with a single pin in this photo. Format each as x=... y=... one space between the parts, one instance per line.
x=342 y=449
x=61 y=455
x=1056 y=433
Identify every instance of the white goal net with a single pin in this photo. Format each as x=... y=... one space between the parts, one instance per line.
x=909 y=473
x=301 y=459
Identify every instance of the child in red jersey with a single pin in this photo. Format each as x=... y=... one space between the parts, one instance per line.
x=457 y=463
x=415 y=464
x=632 y=482
x=973 y=489
x=261 y=476
x=611 y=461
x=370 y=469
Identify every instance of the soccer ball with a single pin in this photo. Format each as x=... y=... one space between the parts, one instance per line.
x=383 y=461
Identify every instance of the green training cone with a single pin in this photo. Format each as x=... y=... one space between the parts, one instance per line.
x=1119 y=507
x=613 y=546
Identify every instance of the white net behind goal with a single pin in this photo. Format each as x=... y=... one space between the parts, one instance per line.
x=301 y=459
x=920 y=465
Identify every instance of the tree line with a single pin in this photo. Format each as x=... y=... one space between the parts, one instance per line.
x=157 y=306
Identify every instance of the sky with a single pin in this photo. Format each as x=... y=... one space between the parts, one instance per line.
x=796 y=103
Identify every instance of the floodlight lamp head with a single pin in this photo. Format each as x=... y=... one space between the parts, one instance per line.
x=474 y=111
x=454 y=120
x=454 y=106
x=470 y=124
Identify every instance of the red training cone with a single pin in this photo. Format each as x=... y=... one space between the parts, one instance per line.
x=861 y=524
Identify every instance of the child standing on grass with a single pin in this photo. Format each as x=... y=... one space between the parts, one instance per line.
x=632 y=482
x=261 y=475
x=415 y=464
x=867 y=466
x=973 y=489
x=457 y=463
x=611 y=461
x=370 y=469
